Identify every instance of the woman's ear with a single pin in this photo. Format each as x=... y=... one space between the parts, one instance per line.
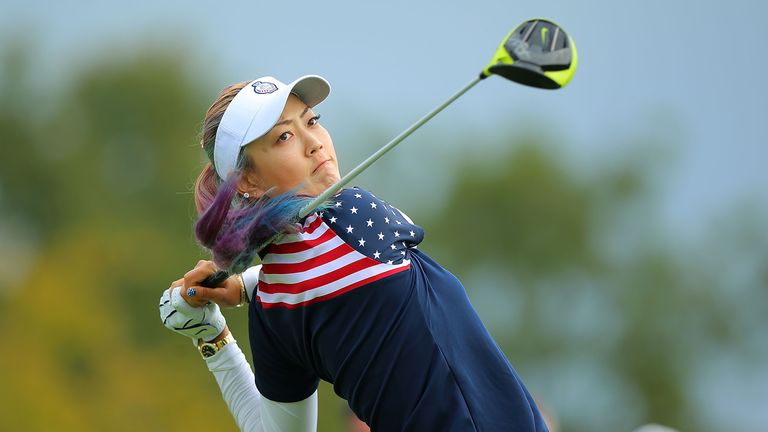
x=249 y=183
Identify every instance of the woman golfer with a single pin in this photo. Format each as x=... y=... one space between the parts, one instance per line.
x=343 y=295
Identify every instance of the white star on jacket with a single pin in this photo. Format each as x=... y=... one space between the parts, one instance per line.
x=354 y=224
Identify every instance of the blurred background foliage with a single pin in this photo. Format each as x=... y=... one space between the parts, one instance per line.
x=611 y=321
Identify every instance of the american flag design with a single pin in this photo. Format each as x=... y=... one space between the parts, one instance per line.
x=358 y=240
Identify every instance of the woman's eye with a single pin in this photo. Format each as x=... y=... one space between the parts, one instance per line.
x=284 y=136
x=314 y=120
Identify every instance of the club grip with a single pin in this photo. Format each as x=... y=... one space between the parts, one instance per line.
x=215 y=279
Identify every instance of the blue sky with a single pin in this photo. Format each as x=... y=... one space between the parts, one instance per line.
x=681 y=72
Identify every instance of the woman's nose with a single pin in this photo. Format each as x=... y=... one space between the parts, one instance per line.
x=313 y=144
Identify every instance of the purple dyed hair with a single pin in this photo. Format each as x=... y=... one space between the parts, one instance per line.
x=235 y=229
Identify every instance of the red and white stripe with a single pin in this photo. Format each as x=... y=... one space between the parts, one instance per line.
x=314 y=265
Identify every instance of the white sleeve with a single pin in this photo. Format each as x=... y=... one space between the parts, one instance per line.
x=252 y=411
x=251 y=279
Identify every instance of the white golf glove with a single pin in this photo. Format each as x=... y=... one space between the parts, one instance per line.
x=205 y=322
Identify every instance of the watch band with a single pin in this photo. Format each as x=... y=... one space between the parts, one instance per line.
x=243 y=293
x=209 y=349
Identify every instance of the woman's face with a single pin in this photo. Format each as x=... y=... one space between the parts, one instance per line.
x=297 y=151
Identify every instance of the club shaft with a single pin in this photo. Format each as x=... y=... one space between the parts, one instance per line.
x=380 y=152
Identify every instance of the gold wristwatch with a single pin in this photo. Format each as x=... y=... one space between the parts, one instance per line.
x=208 y=349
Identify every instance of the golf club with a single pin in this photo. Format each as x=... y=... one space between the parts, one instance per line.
x=538 y=53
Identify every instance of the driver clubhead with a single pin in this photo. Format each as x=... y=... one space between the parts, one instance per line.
x=538 y=53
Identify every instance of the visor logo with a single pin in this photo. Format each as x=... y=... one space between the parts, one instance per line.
x=264 y=87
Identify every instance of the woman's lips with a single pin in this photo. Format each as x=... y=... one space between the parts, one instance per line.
x=319 y=166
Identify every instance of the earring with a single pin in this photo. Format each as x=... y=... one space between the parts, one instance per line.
x=246 y=195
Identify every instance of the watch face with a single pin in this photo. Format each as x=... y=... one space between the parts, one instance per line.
x=207 y=351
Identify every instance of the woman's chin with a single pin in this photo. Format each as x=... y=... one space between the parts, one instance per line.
x=327 y=181
x=318 y=185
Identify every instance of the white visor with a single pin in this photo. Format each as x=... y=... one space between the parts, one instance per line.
x=255 y=110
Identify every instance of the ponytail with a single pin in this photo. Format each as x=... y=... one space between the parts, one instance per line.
x=235 y=230
x=206 y=187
